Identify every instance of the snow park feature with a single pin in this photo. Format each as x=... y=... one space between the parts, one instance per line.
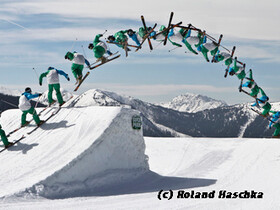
x=90 y=151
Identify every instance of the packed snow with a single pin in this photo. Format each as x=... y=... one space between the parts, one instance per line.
x=89 y=157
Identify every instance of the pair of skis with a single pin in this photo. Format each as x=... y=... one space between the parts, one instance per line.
x=34 y=129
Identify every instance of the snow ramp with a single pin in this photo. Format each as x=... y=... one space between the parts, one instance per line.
x=78 y=149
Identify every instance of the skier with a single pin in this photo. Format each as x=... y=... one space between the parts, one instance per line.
x=175 y=37
x=276 y=121
x=77 y=65
x=135 y=36
x=239 y=71
x=120 y=39
x=25 y=106
x=99 y=48
x=263 y=102
x=223 y=56
x=160 y=36
x=252 y=85
x=4 y=137
x=192 y=40
x=205 y=47
x=53 y=83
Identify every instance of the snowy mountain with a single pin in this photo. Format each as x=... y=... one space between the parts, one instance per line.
x=223 y=121
x=10 y=92
x=190 y=102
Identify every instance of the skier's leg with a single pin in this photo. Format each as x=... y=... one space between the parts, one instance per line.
x=58 y=93
x=35 y=116
x=50 y=99
x=4 y=137
x=277 y=131
x=213 y=52
x=190 y=47
x=23 y=118
x=204 y=51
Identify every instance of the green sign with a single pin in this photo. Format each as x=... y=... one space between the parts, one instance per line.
x=136 y=122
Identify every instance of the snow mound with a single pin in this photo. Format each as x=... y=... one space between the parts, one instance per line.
x=190 y=102
x=72 y=152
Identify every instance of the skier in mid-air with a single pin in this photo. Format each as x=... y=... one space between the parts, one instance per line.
x=239 y=71
x=78 y=64
x=26 y=107
x=255 y=89
x=263 y=103
x=192 y=40
x=205 y=47
x=276 y=121
x=99 y=48
x=53 y=83
x=120 y=39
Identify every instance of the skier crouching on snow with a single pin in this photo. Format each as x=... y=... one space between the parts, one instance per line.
x=99 y=48
x=77 y=65
x=4 y=137
x=25 y=106
x=276 y=121
x=53 y=83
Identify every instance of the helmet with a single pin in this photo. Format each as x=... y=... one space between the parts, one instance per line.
x=130 y=32
x=28 y=90
x=90 y=46
x=111 y=38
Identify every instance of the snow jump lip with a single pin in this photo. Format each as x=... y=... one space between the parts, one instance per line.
x=76 y=144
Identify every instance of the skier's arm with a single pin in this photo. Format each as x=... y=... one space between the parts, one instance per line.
x=87 y=63
x=96 y=39
x=41 y=77
x=63 y=74
x=31 y=96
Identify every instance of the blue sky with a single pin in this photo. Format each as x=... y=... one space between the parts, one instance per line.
x=37 y=34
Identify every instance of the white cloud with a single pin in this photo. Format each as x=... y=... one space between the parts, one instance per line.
x=245 y=19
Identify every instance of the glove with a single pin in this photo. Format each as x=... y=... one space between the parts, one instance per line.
x=68 y=78
x=100 y=35
x=40 y=83
x=40 y=94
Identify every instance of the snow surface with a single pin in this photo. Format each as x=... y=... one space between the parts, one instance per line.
x=198 y=164
x=71 y=153
x=190 y=102
x=89 y=157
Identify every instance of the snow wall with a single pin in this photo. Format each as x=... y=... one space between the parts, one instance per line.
x=77 y=151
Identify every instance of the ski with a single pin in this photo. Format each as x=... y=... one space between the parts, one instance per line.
x=107 y=57
x=169 y=25
x=218 y=44
x=259 y=113
x=13 y=143
x=86 y=75
x=148 y=32
x=43 y=122
x=107 y=60
x=147 y=37
x=232 y=53
x=118 y=43
x=28 y=122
